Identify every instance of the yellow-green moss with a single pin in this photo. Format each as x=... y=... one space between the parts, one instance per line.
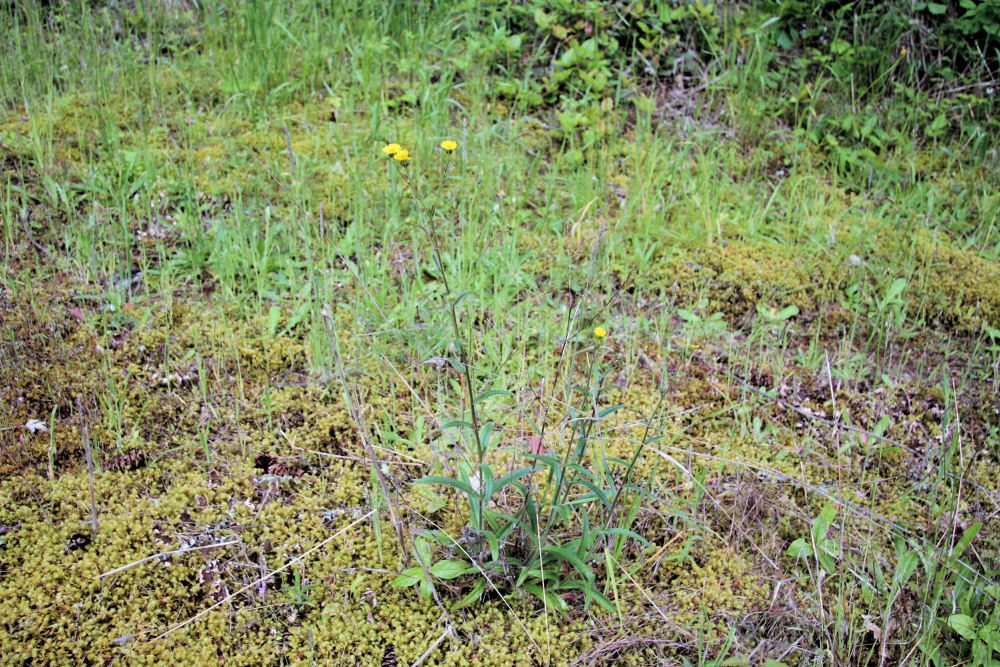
x=958 y=287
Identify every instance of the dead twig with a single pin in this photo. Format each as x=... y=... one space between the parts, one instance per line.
x=90 y=478
x=162 y=555
x=449 y=631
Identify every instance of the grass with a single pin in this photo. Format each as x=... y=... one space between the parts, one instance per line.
x=783 y=451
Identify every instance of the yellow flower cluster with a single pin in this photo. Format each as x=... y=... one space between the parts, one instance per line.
x=600 y=332
x=396 y=152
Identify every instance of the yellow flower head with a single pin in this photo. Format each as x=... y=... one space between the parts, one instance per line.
x=449 y=145
x=903 y=53
x=391 y=149
x=600 y=332
x=402 y=155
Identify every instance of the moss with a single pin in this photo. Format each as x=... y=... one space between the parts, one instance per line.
x=958 y=288
x=737 y=276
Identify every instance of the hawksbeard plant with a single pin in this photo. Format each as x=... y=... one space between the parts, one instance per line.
x=544 y=525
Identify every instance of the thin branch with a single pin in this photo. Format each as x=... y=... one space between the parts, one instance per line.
x=162 y=555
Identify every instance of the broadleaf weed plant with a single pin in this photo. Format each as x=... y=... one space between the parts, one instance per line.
x=540 y=528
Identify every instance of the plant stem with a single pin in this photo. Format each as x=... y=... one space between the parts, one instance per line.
x=428 y=227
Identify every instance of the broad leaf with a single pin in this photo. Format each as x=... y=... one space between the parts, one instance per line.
x=449 y=569
x=963 y=625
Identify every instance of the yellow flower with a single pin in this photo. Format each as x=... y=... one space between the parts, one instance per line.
x=391 y=149
x=402 y=155
x=449 y=145
x=600 y=332
x=903 y=53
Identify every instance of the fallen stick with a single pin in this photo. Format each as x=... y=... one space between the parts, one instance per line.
x=162 y=555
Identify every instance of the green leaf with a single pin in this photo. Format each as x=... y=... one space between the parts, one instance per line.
x=966 y=539
x=510 y=479
x=457 y=422
x=687 y=315
x=821 y=524
x=608 y=410
x=491 y=539
x=551 y=461
x=432 y=501
x=486 y=435
x=598 y=493
x=449 y=569
x=625 y=532
x=550 y=599
x=273 y=317
x=571 y=558
x=963 y=625
x=577 y=468
x=456 y=364
x=589 y=591
x=905 y=566
x=542 y=19
x=493 y=519
x=989 y=637
x=826 y=561
x=297 y=317
x=800 y=548
x=408 y=577
x=423 y=551
x=462 y=296
x=441 y=538
x=473 y=596
x=531 y=574
x=936 y=8
x=594 y=594
x=786 y=312
x=840 y=46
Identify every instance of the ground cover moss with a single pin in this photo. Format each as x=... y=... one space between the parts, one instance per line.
x=239 y=413
x=157 y=508
x=958 y=288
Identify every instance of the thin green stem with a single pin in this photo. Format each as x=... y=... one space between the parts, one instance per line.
x=428 y=227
